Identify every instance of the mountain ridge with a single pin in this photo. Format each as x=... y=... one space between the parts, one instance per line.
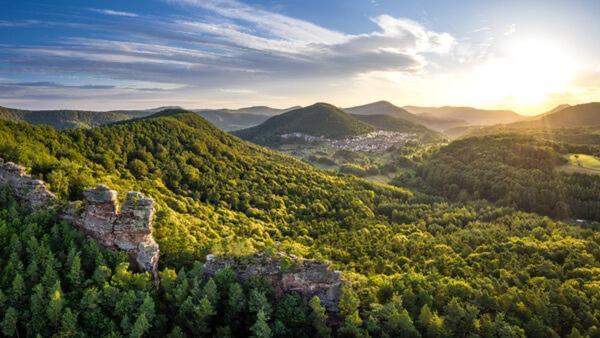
x=319 y=119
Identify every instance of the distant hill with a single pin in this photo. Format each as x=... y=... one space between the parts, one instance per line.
x=582 y=115
x=235 y=119
x=390 y=123
x=67 y=119
x=63 y=119
x=387 y=108
x=320 y=119
x=472 y=116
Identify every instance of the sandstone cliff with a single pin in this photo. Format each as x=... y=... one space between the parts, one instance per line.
x=129 y=230
x=30 y=192
x=287 y=273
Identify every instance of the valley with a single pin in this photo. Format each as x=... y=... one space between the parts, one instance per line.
x=299 y=169
x=430 y=233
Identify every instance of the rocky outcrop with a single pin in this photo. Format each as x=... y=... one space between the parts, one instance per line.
x=287 y=273
x=129 y=229
x=30 y=192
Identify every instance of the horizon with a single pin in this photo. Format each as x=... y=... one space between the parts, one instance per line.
x=165 y=107
x=109 y=55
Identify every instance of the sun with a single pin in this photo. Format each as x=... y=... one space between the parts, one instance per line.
x=526 y=72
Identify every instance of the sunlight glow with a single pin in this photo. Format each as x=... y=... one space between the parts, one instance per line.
x=530 y=70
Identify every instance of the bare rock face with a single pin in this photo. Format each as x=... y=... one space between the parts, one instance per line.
x=129 y=230
x=99 y=218
x=287 y=273
x=30 y=192
x=99 y=214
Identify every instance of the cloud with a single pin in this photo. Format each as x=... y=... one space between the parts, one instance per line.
x=278 y=25
x=22 y=23
x=512 y=29
x=113 y=12
x=47 y=84
x=237 y=91
x=229 y=45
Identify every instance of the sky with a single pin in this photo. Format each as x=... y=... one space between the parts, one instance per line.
x=528 y=56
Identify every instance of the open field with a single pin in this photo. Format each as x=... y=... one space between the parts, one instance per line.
x=581 y=163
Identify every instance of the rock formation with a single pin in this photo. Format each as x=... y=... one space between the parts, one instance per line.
x=287 y=273
x=129 y=230
x=30 y=192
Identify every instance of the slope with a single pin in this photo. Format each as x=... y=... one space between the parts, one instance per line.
x=386 y=108
x=470 y=115
x=405 y=254
x=390 y=123
x=65 y=119
x=320 y=119
x=582 y=115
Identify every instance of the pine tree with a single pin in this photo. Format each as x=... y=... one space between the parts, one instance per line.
x=211 y=292
x=258 y=301
x=147 y=308
x=68 y=324
x=261 y=328
x=236 y=301
x=17 y=292
x=140 y=327
x=352 y=326
x=348 y=302
x=9 y=323
x=319 y=317
x=74 y=274
x=406 y=326
x=37 y=307
x=424 y=317
x=55 y=306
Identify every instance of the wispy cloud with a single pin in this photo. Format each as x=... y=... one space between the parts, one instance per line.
x=225 y=41
x=113 y=12
x=512 y=29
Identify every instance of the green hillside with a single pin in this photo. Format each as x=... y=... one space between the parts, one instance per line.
x=470 y=115
x=572 y=124
x=228 y=121
x=320 y=119
x=386 y=108
x=383 y=108
x=65 y=119
x=390 y=123
x=582 y=115
x=517 y=171
x=414 y=263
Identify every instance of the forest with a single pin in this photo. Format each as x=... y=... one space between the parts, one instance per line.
x=415 y=264
x=513 y=170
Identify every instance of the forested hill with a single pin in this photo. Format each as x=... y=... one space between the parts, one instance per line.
x=416 y=265
x=390 y=123
x=320 y=119
x=518 y=171
x=62 y=119
x=471 y=116
x=573 y=124
x=387 y=108
x=582 y=115
x=65 y=119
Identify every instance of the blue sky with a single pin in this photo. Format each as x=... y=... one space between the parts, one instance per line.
x=523 y=55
